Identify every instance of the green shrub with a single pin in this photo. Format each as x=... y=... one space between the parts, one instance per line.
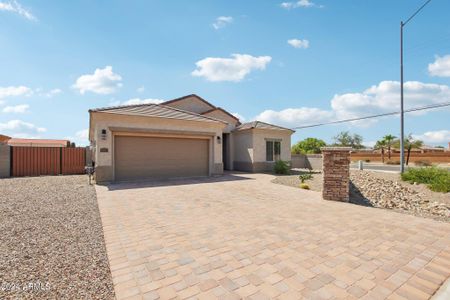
x=437 y=179
x=304 y=177
x=423 y=163
x=304 y=186
x=281 y=167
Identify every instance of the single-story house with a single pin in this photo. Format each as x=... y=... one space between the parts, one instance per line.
x=38 y=142
x=184 y=137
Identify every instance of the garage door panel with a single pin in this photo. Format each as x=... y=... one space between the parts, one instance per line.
x=154 y=157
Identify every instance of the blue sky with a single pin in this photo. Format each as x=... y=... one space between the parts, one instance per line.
x=292 y=64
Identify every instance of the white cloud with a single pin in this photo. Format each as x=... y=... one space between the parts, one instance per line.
x=15 y=91
x=292 y=117
x=440 y=67
x=15 y=7
x=19 y=109
x=18 y=128
x=134 y=101
x=300 y=3
x=296 y=43
x=140 y=89
x=82 y=134
x=103 y=81
x=434 y=137
x=381 y=98
x=230 y=69
x=222 y=21
x=239 y=116
x=52 y=93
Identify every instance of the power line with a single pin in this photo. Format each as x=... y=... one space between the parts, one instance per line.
x=438 y=105
x=417 y=11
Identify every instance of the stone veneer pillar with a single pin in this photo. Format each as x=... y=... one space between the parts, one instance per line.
x=336 y=173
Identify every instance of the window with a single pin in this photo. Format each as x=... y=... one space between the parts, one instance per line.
x=273 y=150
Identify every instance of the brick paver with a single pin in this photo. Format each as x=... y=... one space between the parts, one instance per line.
x=241 y=236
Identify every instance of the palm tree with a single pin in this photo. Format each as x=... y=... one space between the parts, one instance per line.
x=389 y=139
x=381 y=144
x=410 y=143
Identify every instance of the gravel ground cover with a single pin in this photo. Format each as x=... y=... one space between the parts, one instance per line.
x=51 y=242
x=385 y=190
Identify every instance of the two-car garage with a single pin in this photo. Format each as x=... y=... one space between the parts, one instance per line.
x=154 y=157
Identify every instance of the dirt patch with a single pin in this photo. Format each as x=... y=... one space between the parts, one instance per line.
x=385 y=190
x=51 y=242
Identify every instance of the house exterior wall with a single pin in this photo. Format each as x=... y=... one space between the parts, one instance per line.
x=103 y=153
x=260 y=136
x=243 y=150
x=250 y=149
x=191 y=104
x=5 y=160
x=218 y=114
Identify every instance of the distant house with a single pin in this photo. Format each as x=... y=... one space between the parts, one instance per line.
x=184 y=137
x=38 y=142
x=4 y=138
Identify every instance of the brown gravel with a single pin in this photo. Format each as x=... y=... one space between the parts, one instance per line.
x=52 y=238
x=385 y=190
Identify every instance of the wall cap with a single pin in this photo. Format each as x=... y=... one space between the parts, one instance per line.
x=336 y=148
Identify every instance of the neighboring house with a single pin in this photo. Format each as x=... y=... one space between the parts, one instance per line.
x=4 y=138
x=38 y=142
x=184 y=137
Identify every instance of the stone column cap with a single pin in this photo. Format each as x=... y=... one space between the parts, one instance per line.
x=336 y=148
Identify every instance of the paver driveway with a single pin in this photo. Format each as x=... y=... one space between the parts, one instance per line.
x=242 y=236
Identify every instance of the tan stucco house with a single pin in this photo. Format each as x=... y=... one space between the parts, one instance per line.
x=184 y=137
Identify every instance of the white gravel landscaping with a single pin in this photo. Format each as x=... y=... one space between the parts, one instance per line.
x=51 y=242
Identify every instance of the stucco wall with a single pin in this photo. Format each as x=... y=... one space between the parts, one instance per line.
x=5 y=163
x=218 y=114
x=119 y=123
x=243 y=146
x=259 y=143
x=192 y=104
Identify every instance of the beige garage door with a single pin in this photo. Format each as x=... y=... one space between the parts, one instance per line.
x=155 y=157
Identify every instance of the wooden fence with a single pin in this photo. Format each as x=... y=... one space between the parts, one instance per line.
x=36 y=161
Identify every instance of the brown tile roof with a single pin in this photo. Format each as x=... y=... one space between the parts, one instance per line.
x=187 y=96
x=37 y=142
x=222 y=110
x=260 y=125
x=156 y=110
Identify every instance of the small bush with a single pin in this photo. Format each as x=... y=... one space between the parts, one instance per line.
x=304 y=177
x=304 y=186
x=423 y=163
x=393 y=162
x=367 y=160
x=281 y=167
x=437 y=179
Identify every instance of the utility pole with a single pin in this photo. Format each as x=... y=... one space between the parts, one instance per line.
x=402 y=123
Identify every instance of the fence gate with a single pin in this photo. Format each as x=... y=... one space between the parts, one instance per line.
x=36 y=161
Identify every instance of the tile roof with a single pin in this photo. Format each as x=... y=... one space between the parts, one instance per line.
x=156 y=110
x=260 y=125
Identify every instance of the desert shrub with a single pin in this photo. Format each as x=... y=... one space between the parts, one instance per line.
x=304 y=177
x=423 y=163
x=393 y=162
x=437 y=179
x=281 y=167
x=304 y=186
x=367 y=160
